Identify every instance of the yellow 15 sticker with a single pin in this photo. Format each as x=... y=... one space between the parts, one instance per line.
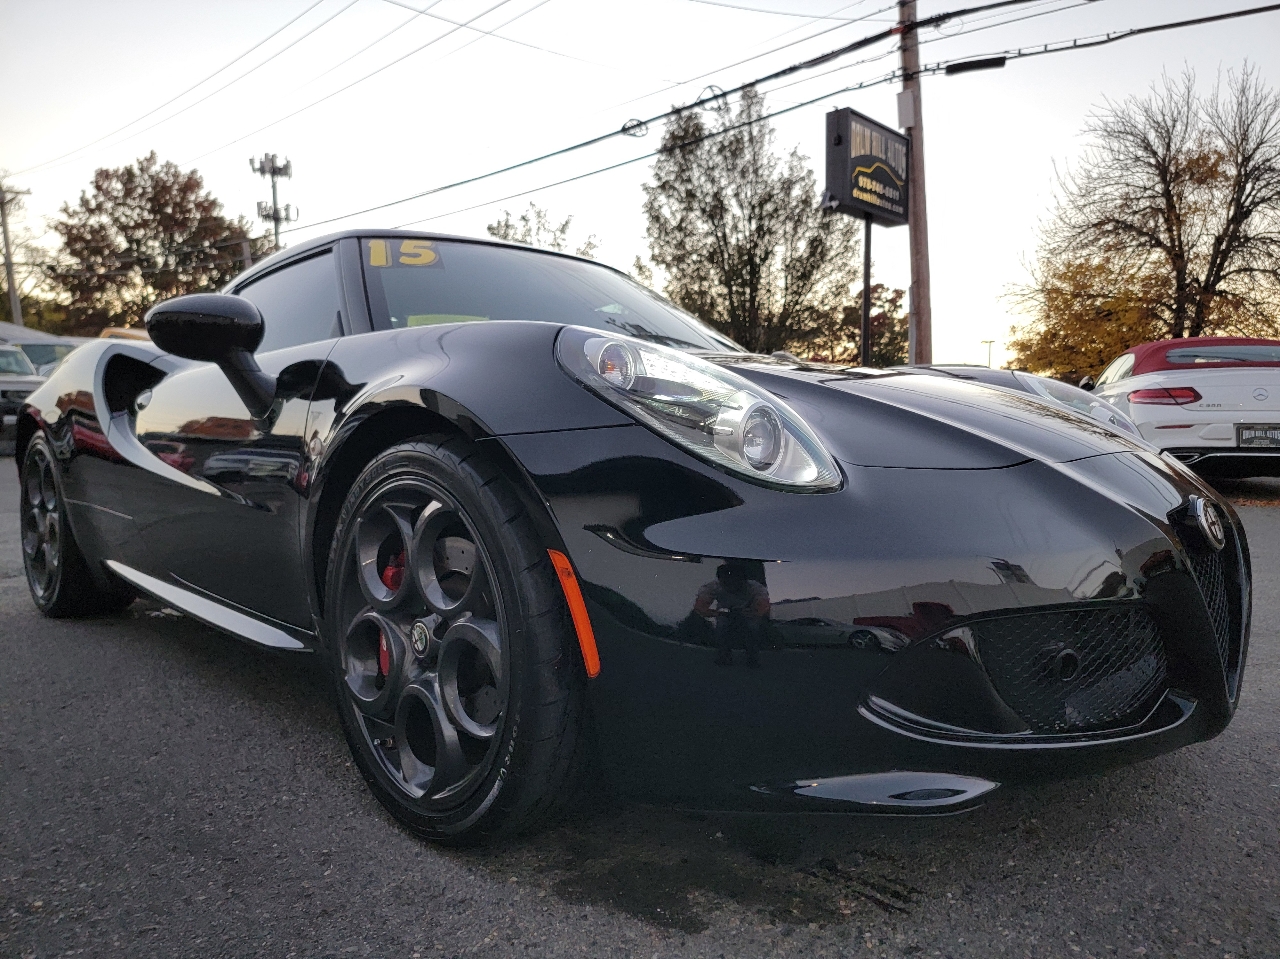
x=410 y=253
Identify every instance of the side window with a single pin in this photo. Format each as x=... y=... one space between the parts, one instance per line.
x=299 y=304
x=1117 y=369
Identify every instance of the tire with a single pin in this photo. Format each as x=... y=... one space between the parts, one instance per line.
x=456 y=672
x=58 y=574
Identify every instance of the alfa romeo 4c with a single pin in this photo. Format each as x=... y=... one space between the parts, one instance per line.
x=529 y=512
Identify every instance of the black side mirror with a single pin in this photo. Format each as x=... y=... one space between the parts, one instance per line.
x=216 y=328
x=1087 y=384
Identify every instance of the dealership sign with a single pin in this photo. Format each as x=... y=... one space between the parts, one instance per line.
x=866 y=168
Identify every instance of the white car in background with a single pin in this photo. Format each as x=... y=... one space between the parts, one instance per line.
x=1212 y=401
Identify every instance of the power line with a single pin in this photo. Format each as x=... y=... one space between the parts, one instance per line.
x=494 y=32
x=285 y=48
x=196 y=103
x=404 y=23
x=1098 y=40
x=780 y=13
x=367 y=76
x=758 y=56
x=632 y=126
x=943 y=66
x=179 y=96
x=963 y=33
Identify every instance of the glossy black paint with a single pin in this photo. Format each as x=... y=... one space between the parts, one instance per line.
x=217 y=328
x=959 y=503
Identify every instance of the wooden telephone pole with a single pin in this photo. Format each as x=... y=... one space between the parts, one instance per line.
x=920 y=335
x=7 y=197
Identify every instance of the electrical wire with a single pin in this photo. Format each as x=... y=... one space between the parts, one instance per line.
x=757 y=56
x=494 y=32
x=1082 y=43
x=702 y=101
x=179 y=96
x=927 y=40
x=196 y=103
x=400 y=26
x=344 y=89
x=780 y=13
x=1063 y=46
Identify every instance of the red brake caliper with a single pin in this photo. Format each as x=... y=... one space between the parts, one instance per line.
x=393 y=573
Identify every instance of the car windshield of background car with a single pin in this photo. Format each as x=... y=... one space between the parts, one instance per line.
x=416 y=282
x=15 y=362
x=1225 y=355
x=1117 y=369
x=41 y=354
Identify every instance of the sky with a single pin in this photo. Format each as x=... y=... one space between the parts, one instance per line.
x=525 y=77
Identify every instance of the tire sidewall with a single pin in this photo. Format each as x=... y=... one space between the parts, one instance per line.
x=52 y=595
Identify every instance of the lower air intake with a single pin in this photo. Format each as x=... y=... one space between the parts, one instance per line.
x=1074 y=671
x=1211 y=579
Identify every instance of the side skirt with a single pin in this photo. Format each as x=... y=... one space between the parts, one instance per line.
x=209 y=612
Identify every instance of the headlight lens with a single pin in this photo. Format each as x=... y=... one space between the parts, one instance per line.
x=709 y=411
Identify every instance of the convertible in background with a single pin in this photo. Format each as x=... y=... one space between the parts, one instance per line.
x=519 y=503
x=1211 y=401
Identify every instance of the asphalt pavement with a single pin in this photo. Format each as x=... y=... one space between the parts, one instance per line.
x=168 y=791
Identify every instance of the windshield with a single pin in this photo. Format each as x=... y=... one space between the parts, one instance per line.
x=1232 y=355
x=1077 y=399
x=14 y=361
x=417 y=282
x=41 y=354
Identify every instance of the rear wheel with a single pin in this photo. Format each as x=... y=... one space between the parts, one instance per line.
x=458 y=687
x=57 y=572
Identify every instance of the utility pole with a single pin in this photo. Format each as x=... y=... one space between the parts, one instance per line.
x=988 y=343
x=920 y=335
x=270 y=166
x=7 y=196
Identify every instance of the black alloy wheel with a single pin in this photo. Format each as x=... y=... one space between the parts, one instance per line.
x=58 y=574
x=445 y=633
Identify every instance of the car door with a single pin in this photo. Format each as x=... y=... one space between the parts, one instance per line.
x=229 y=525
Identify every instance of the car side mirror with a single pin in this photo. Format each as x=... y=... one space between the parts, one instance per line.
x=1087 y=384
x=216 y=328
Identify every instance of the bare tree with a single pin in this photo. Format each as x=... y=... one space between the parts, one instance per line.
x=1168 y=227
x=739 y=234
x=534 y=227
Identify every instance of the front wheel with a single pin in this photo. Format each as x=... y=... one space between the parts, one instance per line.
x=459 y=689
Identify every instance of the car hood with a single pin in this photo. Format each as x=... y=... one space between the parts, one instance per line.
x=902 y=420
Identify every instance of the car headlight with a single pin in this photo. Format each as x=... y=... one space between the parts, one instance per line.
x=712 y=412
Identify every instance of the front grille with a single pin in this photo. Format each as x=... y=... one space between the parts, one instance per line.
x=1211 y=579
x=1072 y=671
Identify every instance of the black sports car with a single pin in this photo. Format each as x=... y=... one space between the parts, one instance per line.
x=521 y=505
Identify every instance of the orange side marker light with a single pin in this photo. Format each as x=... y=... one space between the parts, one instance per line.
x=577 y=610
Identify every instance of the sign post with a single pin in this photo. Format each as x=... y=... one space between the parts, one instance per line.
x=867 y=178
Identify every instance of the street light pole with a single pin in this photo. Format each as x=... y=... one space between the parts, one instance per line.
x=864 y=339
x=988 y=342
x=920 y=334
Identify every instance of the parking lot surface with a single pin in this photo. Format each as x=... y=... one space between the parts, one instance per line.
x=168 y=791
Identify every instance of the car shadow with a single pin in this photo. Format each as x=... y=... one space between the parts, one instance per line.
x=681 y=870
x=1259 y=491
